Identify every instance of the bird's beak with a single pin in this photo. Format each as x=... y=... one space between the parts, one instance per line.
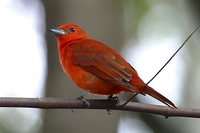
x=58 y=32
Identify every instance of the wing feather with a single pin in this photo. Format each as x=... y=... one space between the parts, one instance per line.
x=96 y=59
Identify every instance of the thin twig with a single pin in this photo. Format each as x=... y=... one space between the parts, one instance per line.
x=130 y=99
x=56 y=103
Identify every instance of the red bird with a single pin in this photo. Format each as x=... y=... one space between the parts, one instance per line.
x=97 y=68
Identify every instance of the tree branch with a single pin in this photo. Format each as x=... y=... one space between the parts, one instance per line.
x=56 y=103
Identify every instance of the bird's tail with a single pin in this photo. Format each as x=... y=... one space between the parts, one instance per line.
x=151 y=92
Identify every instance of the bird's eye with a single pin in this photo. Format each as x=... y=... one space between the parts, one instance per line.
x=71 y=30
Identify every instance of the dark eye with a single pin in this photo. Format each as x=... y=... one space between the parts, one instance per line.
x=71 y=30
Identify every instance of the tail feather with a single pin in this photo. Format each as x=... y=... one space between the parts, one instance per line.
x=151 y=92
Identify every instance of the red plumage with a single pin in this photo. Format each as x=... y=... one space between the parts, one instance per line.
x=97 y=68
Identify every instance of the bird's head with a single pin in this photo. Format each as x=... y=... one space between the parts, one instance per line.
x=69 y=32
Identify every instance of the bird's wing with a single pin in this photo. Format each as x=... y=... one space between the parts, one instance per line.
x=99 y=60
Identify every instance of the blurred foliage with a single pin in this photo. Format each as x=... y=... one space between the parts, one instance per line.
x=134 y=11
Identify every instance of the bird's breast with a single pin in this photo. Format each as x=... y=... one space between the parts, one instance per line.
x=83 y=78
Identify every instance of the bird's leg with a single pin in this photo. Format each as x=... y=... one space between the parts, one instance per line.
x=85 y=101
x=112 y=99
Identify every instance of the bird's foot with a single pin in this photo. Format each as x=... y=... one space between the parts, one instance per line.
x=85 y=101
x=113 y=100
x=82 y=98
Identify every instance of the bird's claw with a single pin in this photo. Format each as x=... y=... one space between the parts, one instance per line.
x=85 y=102
x=109 y=111
x=113 y=98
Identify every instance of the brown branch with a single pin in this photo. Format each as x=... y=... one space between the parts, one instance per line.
x=56 y=103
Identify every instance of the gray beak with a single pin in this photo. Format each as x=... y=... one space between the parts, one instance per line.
x=58 y=32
